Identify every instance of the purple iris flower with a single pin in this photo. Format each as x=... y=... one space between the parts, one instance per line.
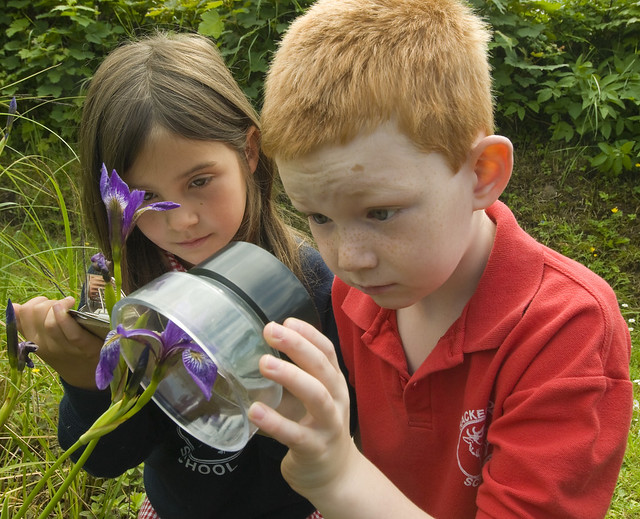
x=18 y=352
x=100 y=263
x=123 y=206
x=173 y=341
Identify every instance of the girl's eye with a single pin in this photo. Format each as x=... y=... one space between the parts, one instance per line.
x=148 y=196
x=200 y=182
x=381 y=214
x=318 y=219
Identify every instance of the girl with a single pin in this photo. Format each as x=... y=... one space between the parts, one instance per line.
x=166 y=113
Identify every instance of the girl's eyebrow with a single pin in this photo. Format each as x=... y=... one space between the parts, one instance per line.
x=198 y=167
x=184 y=174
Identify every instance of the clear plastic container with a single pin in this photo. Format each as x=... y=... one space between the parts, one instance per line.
x=223 y=305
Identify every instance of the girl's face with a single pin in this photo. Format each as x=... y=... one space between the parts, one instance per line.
x=207 y=179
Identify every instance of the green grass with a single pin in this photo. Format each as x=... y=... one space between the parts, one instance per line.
x=42 y=251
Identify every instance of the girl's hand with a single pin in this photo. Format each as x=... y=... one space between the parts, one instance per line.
x=320 y=444
x=62 y=343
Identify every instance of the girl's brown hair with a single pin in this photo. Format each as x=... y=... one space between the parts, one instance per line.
x=178 y=82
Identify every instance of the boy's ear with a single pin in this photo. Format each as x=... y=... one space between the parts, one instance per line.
x=492 y=162
x=252 y=148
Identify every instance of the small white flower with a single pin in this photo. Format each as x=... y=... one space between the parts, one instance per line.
x=632 y=320
x=624 y=305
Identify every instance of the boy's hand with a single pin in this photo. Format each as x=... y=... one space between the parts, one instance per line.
x=319 y=443
x=62 y=343
x=323 y=463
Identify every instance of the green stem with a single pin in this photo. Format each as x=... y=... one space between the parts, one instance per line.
x=110 y=413
x=127 y=410
x=117 y=275
x=12 y=397
x=115 y=415
x=43 y=480
x=143 y=399
x=69 y=479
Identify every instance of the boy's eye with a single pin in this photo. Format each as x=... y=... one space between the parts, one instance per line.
x=318 y=219
x=381 y=214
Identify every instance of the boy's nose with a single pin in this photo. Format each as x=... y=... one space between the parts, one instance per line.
x=355 y=253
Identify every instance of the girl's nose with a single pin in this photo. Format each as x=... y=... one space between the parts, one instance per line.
x=181 y=217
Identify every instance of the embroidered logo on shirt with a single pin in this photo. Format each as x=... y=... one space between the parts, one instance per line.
x=472 y=445
x=216 y=467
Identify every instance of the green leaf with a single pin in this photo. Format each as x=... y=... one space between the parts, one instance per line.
x=17 y=26
x=563 y=131
x=544 y=95
x=599 y=160
x=574 y=110
x=211 y=24
x=49 y=90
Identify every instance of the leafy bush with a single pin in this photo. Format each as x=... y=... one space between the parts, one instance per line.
x=566 y=71
x=570 y=71
x=49 y=48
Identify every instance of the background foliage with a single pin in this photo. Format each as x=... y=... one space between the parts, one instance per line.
x=569 y=70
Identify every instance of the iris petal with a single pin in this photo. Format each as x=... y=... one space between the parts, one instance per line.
x=174 y=336
x=123 y=205
x=134 y=201
x=138 y=332
x=109 y=358
x=202 y=369
x=24 y=349
x=12 y=335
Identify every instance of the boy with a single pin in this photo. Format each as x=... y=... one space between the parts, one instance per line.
x=490 y=372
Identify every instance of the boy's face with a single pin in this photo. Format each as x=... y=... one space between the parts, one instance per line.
x=388 y=219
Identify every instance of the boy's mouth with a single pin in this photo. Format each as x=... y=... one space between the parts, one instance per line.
x=373 y=290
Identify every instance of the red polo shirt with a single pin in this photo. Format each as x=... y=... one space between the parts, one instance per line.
x=523 y=407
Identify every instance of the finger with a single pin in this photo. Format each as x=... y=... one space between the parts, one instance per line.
x=273 y=424
x=316 y=398
x=313 y=335
x=84 y=342
x=23 y=311
x=317 y=358
x=68 y=326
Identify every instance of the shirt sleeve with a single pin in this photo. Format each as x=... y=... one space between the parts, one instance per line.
x=563 y=410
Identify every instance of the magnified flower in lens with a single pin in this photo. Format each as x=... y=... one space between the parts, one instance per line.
x=124 y=206
x=173 y=341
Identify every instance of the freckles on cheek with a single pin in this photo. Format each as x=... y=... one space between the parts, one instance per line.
x=327 y=251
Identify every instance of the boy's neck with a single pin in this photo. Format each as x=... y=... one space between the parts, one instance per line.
x=423 y=324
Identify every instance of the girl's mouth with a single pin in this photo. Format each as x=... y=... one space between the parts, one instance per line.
x=194 y=243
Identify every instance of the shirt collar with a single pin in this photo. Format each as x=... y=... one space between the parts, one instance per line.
x=511 y=278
